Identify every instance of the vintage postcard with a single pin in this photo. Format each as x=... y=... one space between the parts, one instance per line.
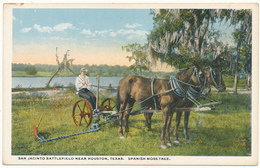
x=130 y=84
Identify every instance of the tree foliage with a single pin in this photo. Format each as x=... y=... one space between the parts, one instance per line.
x=181 y=36
x=139 y=56
x=31 y=70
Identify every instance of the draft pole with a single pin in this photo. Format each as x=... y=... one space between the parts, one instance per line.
x=97 y=97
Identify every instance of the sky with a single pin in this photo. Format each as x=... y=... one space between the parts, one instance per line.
x=93 y=36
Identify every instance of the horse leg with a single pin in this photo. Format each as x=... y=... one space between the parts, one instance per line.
x=168 y=127
x=120 y=118
x=120 y=130
x=150 y=121
x=165 y=115
x=148 y=118
x=175 y=133
x=186 y=121
x=126 y=116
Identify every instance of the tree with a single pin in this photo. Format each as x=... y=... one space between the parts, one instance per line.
x=65 y=64
x=139 y=55
x=243 y=38
x=181 y=35
x=31 y=70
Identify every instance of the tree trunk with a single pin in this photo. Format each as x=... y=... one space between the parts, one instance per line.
x=248 y=84
x=236 y=79
x=55 y=73
x=237 y=60
x=236 y=68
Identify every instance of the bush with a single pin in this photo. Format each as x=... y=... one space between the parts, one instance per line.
x=31 y=70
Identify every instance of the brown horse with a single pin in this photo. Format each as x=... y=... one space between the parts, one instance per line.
x=138 y=89
x=214 y=78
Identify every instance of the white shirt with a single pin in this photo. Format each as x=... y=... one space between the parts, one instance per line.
x=79 y=84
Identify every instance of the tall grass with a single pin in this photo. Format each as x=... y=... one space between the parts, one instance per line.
x=224 y=131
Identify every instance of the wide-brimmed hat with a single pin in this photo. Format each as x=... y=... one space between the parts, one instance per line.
x=83 y=70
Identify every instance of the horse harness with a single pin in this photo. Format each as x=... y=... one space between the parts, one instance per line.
x=191 y=94
x=213 y=76
x=178 y=90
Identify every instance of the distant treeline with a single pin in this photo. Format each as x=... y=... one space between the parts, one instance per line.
x=93 y=70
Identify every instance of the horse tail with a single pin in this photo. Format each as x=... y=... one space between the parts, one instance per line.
x=118 y=99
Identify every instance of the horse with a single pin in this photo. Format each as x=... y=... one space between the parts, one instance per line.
x=133 y=89
x=214 y=78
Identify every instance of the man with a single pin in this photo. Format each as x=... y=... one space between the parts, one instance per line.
x=83 y=86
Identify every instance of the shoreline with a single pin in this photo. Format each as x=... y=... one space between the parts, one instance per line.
x=46 y=92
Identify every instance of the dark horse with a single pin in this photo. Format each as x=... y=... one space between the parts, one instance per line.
x=137 y=89
x=214 y=78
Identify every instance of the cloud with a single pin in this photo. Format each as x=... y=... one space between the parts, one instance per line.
x=60 y=27
x=26 y=30
x=87 y=32
x=61 y=38
x=133 y=34
x=124 y=32
x=63 y=26
x=112 y=34
x=133 y=25
x=102 y=33
x=17 y=20
x=55 y=38
x=46 y=29
x=131 y=31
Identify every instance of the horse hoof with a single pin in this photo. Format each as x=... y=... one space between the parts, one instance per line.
x=121 y=137
x=162 y=146
x=177 y=143
x=188 y=141
x=168 y=145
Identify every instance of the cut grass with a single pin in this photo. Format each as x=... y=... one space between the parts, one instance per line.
x=222 y=132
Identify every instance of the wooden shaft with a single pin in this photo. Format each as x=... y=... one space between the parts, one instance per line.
x=97 y=97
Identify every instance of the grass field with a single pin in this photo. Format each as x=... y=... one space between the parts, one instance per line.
x=222 y=132
x=40 y=74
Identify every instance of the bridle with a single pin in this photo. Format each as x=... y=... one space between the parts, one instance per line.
x=213 y=76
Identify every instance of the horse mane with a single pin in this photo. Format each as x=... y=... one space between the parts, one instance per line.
x=183 y=72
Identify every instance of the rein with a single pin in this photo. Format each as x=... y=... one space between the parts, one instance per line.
x=178 y=90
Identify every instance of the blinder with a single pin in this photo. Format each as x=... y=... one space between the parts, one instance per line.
x=214 y=77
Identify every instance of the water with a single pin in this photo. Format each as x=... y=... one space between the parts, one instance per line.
x=38 y=82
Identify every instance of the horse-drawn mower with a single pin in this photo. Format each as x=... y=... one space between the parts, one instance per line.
x=84 y=114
